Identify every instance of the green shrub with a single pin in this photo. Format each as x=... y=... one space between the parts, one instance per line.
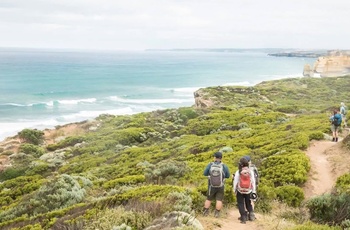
x=68 y=141
x=343 y=183
x=179 y=201
x=164 y=172
x=63 y=191
x=127 y=180
x=313 y=226
x=330 y=208
x=32 y=136
x=111 y=218
x=11 y=173
x=37 y=169
x=31 y=149
x=318 y=135
x=286 y=168
x=288 y=109
x=266 y=194
x=291 y=195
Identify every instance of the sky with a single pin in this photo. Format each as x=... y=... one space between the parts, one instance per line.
x=171 y=24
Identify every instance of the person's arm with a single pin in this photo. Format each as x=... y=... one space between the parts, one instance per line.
x=226 y=171
x=235 y=181
x=253 y=181
x=206 y=170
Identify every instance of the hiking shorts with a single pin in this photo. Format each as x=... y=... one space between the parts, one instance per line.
x=335 y=128
x=216 y=193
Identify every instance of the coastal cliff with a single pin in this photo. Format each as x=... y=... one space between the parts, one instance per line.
x=335 y=63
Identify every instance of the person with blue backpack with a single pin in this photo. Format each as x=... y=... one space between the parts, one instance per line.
x=336 y=120
x=216 y=172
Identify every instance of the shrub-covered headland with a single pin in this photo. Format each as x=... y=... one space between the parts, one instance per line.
x=123 y=172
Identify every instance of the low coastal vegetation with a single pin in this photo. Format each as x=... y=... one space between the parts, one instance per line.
x=124 y=172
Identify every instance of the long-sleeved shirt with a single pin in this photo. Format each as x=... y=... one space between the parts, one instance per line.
x=236 y=180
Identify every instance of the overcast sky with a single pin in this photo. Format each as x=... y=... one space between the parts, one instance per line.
x=165 y=24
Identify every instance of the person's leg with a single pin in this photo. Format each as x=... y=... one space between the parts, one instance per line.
x=207 y=203
x=248 y=203
x=218 y=205
x=336 y=133
x=219 y=197
x=219 y=201
x=333 y=132
x=241 y=207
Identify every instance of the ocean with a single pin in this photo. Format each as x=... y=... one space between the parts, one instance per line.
x=45 y=88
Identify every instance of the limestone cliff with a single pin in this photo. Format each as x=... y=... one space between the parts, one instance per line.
x=336 y=63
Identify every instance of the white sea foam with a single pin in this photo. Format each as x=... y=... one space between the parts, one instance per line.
x=15 y=104
x=77 y=101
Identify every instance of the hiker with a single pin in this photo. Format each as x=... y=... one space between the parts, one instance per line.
x=256 y=177
x=336 y=120
x=216 y=172
x=343 y=112
x=243 y=186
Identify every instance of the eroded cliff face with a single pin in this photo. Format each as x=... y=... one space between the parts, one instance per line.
x=201 y=100
x=336 y=63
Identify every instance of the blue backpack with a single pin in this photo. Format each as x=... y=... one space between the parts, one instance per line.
x=337 y=119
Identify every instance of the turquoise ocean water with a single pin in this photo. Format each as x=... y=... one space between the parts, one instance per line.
x=44 y=88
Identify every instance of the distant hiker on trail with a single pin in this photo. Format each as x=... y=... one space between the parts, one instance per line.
x=216 y=172
x=244 y=185
x=336 y=120
x=343 y=112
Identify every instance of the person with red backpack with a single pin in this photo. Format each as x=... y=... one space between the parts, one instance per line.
x=244 y=187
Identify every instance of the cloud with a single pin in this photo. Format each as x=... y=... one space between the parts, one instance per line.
x=110 y=24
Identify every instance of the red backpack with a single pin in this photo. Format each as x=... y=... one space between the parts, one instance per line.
x=245 y=185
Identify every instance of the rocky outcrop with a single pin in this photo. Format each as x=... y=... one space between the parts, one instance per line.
x=308 y=71
x=201 y=101
x=335 y=63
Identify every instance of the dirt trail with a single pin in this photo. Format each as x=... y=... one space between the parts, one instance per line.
x=321 y=179
x=229 y=221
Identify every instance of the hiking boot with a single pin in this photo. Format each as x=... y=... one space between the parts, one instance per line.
x=243 y=219
x=251 y=216
x=239 y=218
x=217 y=213
x=205 y=211
x=333 y=139
x=336 y=139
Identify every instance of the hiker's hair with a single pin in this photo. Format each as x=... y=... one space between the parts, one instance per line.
x=243 y=162
x=335 y=111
